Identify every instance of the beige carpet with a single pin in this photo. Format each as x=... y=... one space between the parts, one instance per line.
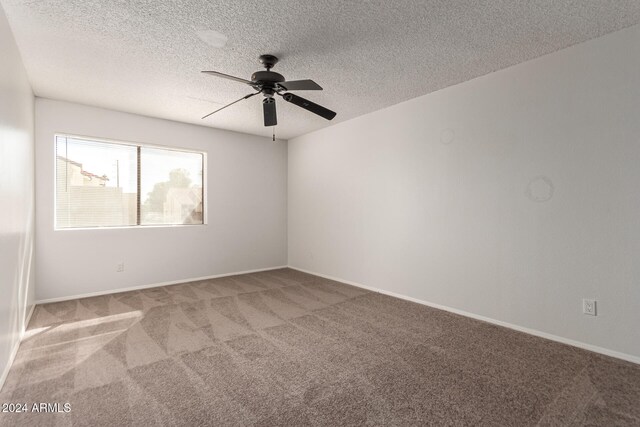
x=287 y=348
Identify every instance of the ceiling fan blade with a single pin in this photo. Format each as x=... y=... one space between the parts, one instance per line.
x=308 y=105
x=228 y=77
x=300 y=85
x=228 y=105
x=269 y=109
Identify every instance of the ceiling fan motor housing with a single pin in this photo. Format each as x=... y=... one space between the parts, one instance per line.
x=267 y=80
x=267 y=77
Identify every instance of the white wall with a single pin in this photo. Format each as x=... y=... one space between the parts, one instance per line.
x=246 y=190
x=431 y=198
x=16 y=197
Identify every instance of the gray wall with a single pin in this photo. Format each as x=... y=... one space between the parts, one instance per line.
x=246 y=195
x=16 y=197
x=510 y=197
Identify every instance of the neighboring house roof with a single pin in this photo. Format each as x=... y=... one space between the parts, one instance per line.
x=92 y=175
x=82 y=171
x=73 y=162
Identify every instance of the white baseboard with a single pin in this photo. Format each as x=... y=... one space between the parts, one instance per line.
x=9 y=364
x=153 y=285
x=563 y=340
x=16 y=347
x=27 y=320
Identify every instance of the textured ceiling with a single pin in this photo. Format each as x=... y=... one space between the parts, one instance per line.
x=145 y=56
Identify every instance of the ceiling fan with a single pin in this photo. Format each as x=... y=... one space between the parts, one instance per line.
x=270 y=83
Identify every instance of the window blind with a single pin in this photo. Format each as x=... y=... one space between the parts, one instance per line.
x=104 y=184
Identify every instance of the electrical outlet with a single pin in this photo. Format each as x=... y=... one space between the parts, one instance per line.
x=589 y=307
x=120 y=267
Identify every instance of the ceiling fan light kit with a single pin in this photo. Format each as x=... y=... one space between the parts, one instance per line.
x=269 y=83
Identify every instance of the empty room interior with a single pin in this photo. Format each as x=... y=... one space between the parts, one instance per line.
x=319 y=213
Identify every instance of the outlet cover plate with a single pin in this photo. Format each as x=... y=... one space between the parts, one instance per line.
x=589 y=307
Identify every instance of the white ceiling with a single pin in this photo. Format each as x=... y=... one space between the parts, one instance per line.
x=145 y=56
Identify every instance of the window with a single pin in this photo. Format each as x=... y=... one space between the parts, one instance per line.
x=108 y=184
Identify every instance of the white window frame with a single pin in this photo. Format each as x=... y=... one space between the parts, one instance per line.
x=205 y=207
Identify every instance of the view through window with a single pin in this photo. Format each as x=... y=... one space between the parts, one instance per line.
x=106 y=184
